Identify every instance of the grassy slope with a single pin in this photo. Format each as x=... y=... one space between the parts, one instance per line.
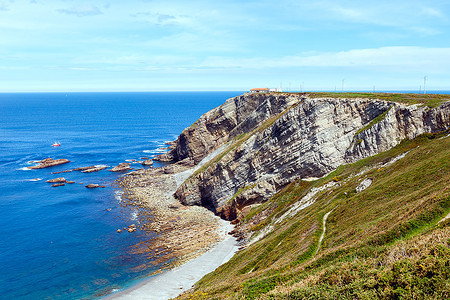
x=383 y=242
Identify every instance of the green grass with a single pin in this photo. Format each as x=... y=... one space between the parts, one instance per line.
x=431 y=100
x=374 y=121
x=384 y=242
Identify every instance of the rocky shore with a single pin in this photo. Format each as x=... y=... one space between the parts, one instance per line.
x=178 y=233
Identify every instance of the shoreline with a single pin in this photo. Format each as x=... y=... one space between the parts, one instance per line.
x=173 y=282
x=190 y=241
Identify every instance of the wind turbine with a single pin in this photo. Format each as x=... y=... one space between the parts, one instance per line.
x=424 y=83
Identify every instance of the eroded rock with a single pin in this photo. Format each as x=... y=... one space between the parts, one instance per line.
x=94 y=169
x=121 y=167
x=147 y=162
x=49 y=162
x=94 y=185
x=57 y=180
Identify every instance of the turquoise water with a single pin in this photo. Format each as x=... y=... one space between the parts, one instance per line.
x=61 y=243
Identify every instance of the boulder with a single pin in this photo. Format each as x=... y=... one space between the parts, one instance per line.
x=58 y=184
x=131 y=228
x=147 y=162
x=364 y=185
x=168 y=170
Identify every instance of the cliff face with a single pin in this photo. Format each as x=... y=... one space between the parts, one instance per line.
x=237 y=115
x=275 y=139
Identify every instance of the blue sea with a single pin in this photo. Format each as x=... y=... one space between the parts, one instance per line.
x=61 y=242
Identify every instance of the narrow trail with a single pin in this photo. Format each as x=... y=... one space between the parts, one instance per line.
x=324 y=229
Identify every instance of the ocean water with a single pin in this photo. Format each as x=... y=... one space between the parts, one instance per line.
x=61 y=243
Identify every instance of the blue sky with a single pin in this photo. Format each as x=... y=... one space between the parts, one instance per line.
x=153 y=45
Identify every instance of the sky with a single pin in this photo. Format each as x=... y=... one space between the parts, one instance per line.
x=165 y=45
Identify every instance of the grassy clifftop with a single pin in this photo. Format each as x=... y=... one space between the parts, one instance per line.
x=431 y=100
x=390 y=240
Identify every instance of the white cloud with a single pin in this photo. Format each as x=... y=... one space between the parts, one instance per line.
x=402 y=58
x=82 y=11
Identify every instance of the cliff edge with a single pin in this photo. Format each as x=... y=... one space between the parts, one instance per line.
x=274 y=139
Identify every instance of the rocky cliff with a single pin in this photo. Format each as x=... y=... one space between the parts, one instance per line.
x=274 y=139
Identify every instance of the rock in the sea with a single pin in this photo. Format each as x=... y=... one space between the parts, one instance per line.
x=147 y=162
x=70 y=182
x=131 y=228
x=57 y=180
x=66 y=171
x=119 y=230
x=49 y=162
x=84 y=168
x=58 y=184
x=121 y=167
x=94 y=169
x=94 y=185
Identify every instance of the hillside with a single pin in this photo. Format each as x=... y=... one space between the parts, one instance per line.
x=333 y=197
x=387 y=241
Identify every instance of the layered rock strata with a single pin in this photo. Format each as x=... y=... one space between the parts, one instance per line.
x=274 y=139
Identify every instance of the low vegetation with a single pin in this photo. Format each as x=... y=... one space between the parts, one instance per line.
x=389 y=241
x=431 y=100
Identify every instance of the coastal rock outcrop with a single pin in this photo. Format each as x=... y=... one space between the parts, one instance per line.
x=121 y=167
x=49 y=162
x=84 y=168
x=94 y=185
x=274 y=139
x=57 y=180
x=94 y=169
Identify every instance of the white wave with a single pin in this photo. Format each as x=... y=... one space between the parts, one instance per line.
x=100 y=166
x=130 y=160
x=34 y=179
x=134 y=215
x=24 y=169
x=161 y=150
x=33 y=162
x=118 y=195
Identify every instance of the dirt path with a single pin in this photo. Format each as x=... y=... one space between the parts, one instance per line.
x=324 y=229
